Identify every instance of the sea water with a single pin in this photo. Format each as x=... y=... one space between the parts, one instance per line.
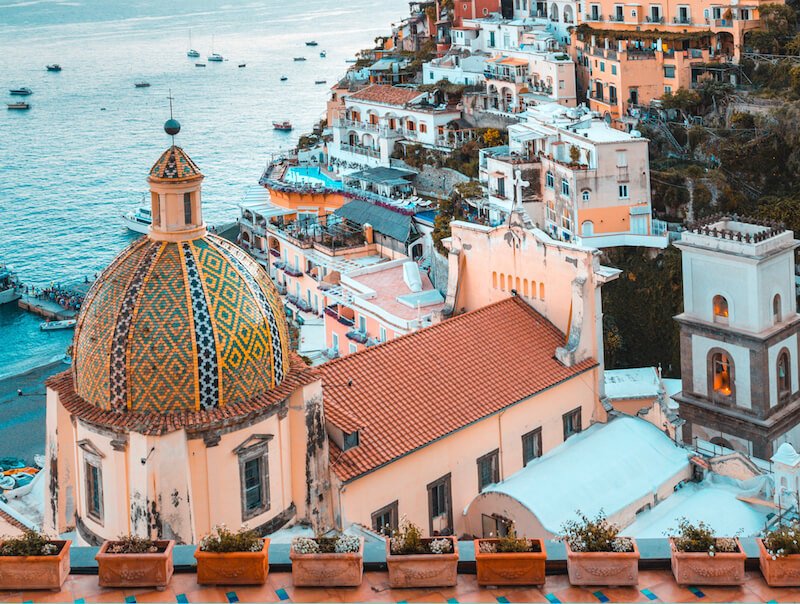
x=78 y=160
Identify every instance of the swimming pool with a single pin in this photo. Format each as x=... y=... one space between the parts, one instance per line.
x=311 y=175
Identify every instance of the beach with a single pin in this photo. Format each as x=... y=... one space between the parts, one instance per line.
x=22 y=429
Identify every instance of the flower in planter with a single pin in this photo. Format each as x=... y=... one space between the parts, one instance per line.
x=30 y=543
x=699 y=538
x=782 y=540
x=340 y=544
x=131 y=544
x=441 y=546
x=598 y=535
x=347 y=544
x=407 y=539
x=305 y=545
x=223 y=540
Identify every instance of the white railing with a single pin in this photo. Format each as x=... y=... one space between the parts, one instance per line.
x=375 y=153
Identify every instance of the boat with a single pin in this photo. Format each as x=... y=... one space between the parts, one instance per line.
x=191 y=53
x=9 y=465
x=320 y=81
x=214 y=57
x=54 y=325
x=323 y=54
x=20 y=91
x=242 y=64
x=7 y=483
x=142 y=84
x=299 y=58
x=138 y=221
x=39 y=461
x=23 y=478
x=20 y=105
x=54 y=67
x=312 y=43
x=283 y=125
x=351 y=60
x=9 y=287
x=284 y=78
x=199 y=64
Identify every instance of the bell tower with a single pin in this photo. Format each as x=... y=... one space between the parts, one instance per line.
x=175 y=193
x=739 y=336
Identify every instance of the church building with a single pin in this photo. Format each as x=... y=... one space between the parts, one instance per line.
x=184 y=406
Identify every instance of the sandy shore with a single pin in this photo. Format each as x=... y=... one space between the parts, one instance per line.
x=22 y=418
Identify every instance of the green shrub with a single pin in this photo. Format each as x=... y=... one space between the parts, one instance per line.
x=782 y=540
x=131 y=544
x=222 y=540
x=699 y=538
x=30 y=543
x=598 y=535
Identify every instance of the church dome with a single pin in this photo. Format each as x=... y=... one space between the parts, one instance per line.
x=180 y=326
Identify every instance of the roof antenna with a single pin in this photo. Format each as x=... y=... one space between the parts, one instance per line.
x=171 y=126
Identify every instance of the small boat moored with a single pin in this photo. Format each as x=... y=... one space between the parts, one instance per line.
x=284 y=78
x=199 y=64
x=312 y=43
x=54 y=67
x=215 y=58
x=242 y=64
x=320 y=81
x=138 y=221
x=299 y=58
x=54 y=325
x=142 y=84
x=192 y=53
x=9 y=285
x=284 y=125
x=22 y=105
x=25 y=91
x=323 y=54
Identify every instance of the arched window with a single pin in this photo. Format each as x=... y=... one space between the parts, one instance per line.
x=533 y=289
x=541 y=291
x=784 y=375
x=586 y=195
x=502 y=282
x=776 y=309
x=721 y=370
x=525 y=287
x=518 y=288
x=494 y=279
x=587 y=228
x=720 y=309
x=721 y=442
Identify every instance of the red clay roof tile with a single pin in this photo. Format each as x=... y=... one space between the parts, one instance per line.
x=386 y=95
x=413 y=390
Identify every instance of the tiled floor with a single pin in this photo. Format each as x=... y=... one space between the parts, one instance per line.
x=654 y=586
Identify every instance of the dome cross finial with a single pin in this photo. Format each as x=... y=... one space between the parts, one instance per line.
x=171 y=126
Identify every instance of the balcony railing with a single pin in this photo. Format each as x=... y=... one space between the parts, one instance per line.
x=590 y=17
x=641 y=54
x=682 y=20
x=652 y=19
x=379 y=129
x=333 y=312
x=331 y=353
x=504 y=77
x=358 y=150
x=617 y=18
x=357 y=336
x=292 y=272
x=723 y=22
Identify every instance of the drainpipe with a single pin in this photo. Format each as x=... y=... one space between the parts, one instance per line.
x=501 y=475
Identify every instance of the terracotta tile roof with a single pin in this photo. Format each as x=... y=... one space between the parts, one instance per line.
x=386 y=95
x=8 y=521
x=174 y=164
x=411 y=391
x=161 y=423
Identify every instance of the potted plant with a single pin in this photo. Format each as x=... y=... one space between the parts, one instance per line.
x=597 y=555
x=779 y=556
x=414 y=561
x=225 y=557
x=700 y=558
x=132 y=561
x=327 y=561
x=510 y=560
x=33 y=561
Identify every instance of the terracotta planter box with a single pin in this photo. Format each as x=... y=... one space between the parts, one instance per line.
x=135 y=570
x=234 y=568
x=699 y=568
x=328 y=570
x=781 y=572
x=423 y=570
x=35 y=572
x=610 y=569
x=513 y=568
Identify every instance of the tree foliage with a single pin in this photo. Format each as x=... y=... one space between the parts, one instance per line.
x=643 y=333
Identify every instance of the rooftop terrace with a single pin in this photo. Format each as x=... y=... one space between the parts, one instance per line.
x=656 y=584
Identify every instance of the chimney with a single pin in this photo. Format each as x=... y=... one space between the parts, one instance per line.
x=369 y=235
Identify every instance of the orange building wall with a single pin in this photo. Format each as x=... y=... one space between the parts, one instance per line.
x=610 y=219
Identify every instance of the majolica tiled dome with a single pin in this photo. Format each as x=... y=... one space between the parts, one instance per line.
x=180 y=326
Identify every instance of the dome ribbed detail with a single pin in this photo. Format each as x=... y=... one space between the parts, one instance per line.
x=174 y=165
x=180 y=327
